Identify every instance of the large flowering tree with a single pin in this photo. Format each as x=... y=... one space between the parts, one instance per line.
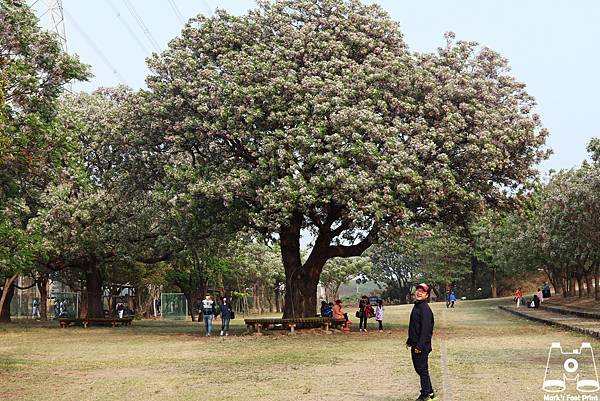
x=314 y=115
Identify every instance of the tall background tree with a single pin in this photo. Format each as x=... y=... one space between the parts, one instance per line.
x=33 y=149
x=394 y=268
x=338 y=271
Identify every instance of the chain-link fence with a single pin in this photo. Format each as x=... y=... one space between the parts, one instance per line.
x=173 y=305
x=64 y=304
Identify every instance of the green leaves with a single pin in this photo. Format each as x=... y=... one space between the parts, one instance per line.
x=300 y=105
x=338 y=271
x=33 y=147
x=558 y=231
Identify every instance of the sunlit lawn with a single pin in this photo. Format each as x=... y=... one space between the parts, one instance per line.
x=491 y=355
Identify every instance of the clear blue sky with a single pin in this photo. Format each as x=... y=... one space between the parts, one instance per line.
x=551 y=45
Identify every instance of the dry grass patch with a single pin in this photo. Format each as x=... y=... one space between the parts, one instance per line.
x=491 y=356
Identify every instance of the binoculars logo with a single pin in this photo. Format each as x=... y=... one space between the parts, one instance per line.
x=578 y=367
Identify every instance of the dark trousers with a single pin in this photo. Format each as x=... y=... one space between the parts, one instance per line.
x=380 y=324
x=225 y=324
x=363 y=322
x=421 y=365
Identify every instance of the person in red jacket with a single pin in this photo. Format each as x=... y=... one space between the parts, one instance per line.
x=518 y=296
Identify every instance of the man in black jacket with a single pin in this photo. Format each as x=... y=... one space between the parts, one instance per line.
x=420 y=331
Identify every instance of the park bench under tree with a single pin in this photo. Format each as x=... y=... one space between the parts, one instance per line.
x=291 y=323
x=101 y=321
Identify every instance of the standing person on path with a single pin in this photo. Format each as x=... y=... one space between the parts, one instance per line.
x=208 y=312
x=379 y=314
x=452 y=299
x=362 y=313
x=540 y=295
x=546 y=290
x=420 y=332
x=518 y=296
x=35 y=309
x=225 y=310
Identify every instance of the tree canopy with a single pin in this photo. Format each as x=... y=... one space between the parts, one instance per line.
x=315 y=115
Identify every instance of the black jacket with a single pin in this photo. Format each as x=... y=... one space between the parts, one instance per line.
x=420 y=328
x=225 y=311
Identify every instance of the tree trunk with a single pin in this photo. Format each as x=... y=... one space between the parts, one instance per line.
x=301 y=294
x=596 y=284
x=137 y=303
x=93 y=282
x=277 y=303
x=561 y=286
x=404 y=295
x=588 y=285
x=435 y=291
x=494 y=286
x=42 y=285
x=5 y=309
x=257 y=304
x=193 y=297
x=269 y=293
x=8 y=290
x=474 y=274
x=301 y=281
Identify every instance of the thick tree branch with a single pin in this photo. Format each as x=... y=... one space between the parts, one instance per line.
x=354 y=250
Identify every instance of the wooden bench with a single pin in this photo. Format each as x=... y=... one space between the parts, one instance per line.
x=126 y=321
x=291 y=323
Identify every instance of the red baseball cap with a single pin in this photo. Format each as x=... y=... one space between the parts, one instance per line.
x=424 y=286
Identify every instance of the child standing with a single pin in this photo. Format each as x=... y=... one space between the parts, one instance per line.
x=379 y=314
x=518 y=296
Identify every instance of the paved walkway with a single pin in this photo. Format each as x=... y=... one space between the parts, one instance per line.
x=570 y=311
x=562 y=317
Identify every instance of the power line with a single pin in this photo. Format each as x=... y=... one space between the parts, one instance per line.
x=207 y=7
x=126 y=25
x=177 y=12
x=95 y=48
x=140 y=22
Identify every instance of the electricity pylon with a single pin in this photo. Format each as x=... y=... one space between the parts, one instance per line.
x=54 y=11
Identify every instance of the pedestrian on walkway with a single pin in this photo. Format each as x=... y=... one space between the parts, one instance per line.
x=208 y=313
x=540 y=295
x=420 y=332
x=518 y=296
x=546 y=290
x=225 y=310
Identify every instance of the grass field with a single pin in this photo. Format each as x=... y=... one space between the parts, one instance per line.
x=489 y=355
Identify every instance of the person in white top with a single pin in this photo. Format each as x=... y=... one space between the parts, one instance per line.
x=379 y=314
x=208 y=313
